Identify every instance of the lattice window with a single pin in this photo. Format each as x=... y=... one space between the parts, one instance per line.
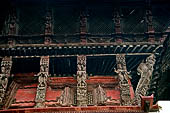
x=66 y=20
x=89 y=98
x=100 y=21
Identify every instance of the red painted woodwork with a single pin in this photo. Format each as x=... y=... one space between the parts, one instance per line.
x=114 y=94
x=89 y=109
x=131 y=89
x=52 y=94
x=91 y=80
x=24 y=74
x=25 y=95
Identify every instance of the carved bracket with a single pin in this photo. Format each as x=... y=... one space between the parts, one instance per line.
x=145 y=70
x=117 y=24
x=123 y=79
x=6 y=65
x=150 y=28
x=42 y=79
x=81 y=81
x=48 y=27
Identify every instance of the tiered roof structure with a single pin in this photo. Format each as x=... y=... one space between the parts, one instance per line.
x=84 y=56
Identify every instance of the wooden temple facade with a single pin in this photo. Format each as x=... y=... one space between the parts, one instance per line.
x=81 y=57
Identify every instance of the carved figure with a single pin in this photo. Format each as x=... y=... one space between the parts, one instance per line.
x=48 y=24
x=124 y=76
x=42 y=79
x=101 y=96
x=5 y=73
x=145 y=70
x=12 y=25
x=66 y=97
x=81 y=81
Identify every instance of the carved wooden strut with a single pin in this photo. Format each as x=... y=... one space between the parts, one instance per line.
x=6 y=65
x=150 y=28
x=145 y=70
x=12 y=28
x=42 y=79
x=81 y=81
x=48 y=27
x=123 y=79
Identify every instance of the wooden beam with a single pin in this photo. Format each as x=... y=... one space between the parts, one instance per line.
x=78 y=55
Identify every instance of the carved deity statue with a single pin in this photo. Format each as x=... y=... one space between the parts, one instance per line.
x=5 y=73
x=124 y=77
x=149 y=17
x=12 y=25
x=3 y=85
x=42 y=80
x=81 y=81
x=145 y=70
x=66 y=97
x=48 y=24
x=101 y=96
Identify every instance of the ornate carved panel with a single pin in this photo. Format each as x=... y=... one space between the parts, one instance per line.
x=9 y=97
x=145 y=70
x=42 y=79
x=123 y=75
x=100 y=97
x=66 y=98
x=81 y=81
x=5 y=73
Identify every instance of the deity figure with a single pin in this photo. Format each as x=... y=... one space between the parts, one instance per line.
x=145 y=70
x=101 y=96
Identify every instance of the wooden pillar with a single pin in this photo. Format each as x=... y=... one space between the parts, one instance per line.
x=124 y=80
x=83 y=26
x=81 y=81
x=6 y=65
x=11 y=29
x=42 y=79
x=48 y=27
x=150 y=29
x=117 y=26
